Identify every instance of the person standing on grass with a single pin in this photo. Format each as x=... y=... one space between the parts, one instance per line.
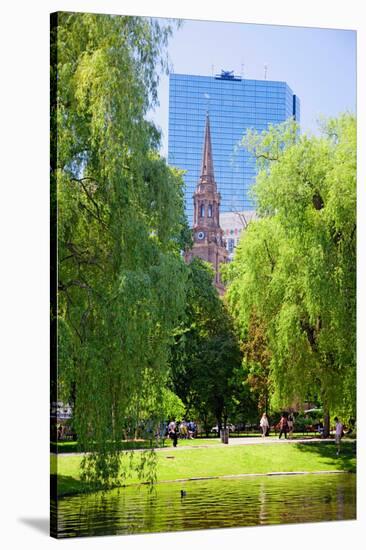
x=283 y=426
x=264 y=424
x=290 y=424
x=338 y=434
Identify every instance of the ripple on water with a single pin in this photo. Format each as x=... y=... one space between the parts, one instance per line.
x=236 y=502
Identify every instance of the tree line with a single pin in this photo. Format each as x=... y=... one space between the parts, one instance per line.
x=120 y=225
x=292 y=284
x=142 y=336
x=131 y=320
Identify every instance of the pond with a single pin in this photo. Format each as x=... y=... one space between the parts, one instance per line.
x=217 y=503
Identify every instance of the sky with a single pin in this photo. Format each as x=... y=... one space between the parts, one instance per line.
x=319 y=65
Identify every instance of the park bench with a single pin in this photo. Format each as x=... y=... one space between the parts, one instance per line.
x=311 y=429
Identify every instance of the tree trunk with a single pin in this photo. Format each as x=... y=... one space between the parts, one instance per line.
x=326 y=423
x=206 y=426
x=219 y=426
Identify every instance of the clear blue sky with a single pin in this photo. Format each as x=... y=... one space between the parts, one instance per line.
x=318 y=64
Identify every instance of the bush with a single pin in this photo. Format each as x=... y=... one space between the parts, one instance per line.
x=302 y=422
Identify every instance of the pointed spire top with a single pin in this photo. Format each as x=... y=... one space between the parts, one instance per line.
x=207 y=171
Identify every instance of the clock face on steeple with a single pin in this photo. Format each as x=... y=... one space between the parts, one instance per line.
x=200 y=235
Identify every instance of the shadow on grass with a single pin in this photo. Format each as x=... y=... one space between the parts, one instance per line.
x=64 y=447
x=67 y=485
x=345 y=461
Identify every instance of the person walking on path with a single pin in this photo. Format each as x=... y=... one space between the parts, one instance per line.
x=191 y=429
x=175 y=437
x=264 y=424
x=183 y=429
x=171 y=429
x=338 y=434
x=173 y=432
x=290 y=424
x=283 y=426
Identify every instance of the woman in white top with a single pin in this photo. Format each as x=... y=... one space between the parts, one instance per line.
x=338 y=434
x=264 y=424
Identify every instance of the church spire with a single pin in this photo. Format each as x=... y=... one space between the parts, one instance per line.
x=207 y=171
x=208 y=237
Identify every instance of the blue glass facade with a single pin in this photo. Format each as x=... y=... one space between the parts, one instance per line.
x=234 y=104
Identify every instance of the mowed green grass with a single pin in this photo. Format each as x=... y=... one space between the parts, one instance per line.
x=174 y=464
x=73 y=446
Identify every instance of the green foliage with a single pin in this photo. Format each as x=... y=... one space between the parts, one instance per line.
x=295 y=267
x=172 y=405
x=206 y=357
x=256 y=362
x=120 y=222
x=302 y=422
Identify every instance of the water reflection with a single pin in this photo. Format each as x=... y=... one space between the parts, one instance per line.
x=262 y=503
x=210 y=504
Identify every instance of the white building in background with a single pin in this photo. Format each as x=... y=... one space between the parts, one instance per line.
x=232 y=224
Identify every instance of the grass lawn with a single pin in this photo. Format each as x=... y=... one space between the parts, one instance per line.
x=179 y=463
x=73 y=446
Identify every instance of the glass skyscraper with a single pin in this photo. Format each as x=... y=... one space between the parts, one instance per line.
x=234 y=104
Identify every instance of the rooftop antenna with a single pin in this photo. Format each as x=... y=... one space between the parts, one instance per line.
x=265 y=71
x=242 y=70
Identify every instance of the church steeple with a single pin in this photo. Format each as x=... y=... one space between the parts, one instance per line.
x=208 y=236
x=206 y=197
x=207 y=170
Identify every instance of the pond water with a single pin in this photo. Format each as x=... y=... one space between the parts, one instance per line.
x=235 y=502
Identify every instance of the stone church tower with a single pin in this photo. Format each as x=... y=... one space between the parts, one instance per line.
x=208 y=237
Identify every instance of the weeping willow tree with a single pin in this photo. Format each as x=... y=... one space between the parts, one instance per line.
x=120 y=219
x=295 y=267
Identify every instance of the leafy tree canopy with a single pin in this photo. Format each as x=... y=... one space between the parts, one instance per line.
x=120 y=223
x=295 y=267
x=206 y=357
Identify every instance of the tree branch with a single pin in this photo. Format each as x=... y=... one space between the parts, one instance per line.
x=266 y=157
x=272 y=262
x=97 y=216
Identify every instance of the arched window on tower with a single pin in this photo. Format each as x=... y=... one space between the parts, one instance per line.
x=210 y=210
x=202 y=210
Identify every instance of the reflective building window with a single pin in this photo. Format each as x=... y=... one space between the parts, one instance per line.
x=234 y=106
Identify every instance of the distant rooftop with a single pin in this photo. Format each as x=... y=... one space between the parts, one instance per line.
x=227 y=75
